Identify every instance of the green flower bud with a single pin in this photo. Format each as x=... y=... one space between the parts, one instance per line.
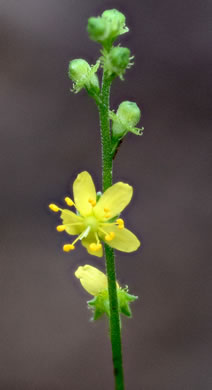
x=107 y=27
x=97 y=29
x=125 y=120
x=117 y=61
x=129 y=113
x=83 y=75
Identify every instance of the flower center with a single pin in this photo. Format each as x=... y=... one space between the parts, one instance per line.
x=92 y=223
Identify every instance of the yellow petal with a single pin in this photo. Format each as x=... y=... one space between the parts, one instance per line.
x=84 y=190
x=89 y=240
x=113 y=201
x=124 y=239
x=93 y=280
x=69 y=218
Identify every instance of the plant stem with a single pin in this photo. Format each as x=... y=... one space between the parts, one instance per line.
x=107 y=165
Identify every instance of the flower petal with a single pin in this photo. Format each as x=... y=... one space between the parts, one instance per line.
x=84 y=189
x=87 y=241
x=93 y=280
x=69 y=218
x=124 y=239
x=114 y=199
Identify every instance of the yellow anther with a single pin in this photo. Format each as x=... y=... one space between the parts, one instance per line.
x=120 y=223
x=92 y=202
x=53 y=207
x=69 y=201
x=108 y=237
x=99 y=246
x=68 y=247
x=106 y=209
x=93 y=247
x=60 y=228
x=108 y=215
x=112 y=235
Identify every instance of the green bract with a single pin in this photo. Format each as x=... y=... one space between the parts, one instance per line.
x=125 y=120
x=107 y=27
x=83 y=75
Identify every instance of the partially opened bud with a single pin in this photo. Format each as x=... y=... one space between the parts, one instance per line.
x=95 y=283
x=83 y=75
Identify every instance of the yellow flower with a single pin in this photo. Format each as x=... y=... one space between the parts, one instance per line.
x=93 y=280
x=96 y=221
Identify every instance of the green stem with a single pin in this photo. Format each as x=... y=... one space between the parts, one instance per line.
x=107 y=165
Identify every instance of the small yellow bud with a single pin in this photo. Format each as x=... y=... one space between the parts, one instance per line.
x=53 y=207
x=68 y=247
x=69 y=201
x=60 y=228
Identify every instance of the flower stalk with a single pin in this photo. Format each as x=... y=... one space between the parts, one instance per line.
x=107 y=174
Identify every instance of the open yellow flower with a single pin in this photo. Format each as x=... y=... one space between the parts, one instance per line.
x=96 y=221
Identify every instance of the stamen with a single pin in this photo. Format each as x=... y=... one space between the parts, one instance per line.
x=68 y=247
x=93 y=247
x=106 y=209
x=54 y=207
x=108 y=215
x=92 y=202
x=69 y=201
x=120 y=223
x=110 y=236
x=60 y=228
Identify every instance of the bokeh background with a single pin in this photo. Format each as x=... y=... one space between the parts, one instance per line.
x=48 y=135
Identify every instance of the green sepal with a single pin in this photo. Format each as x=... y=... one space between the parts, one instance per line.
x=99 y=305
x=124 y=299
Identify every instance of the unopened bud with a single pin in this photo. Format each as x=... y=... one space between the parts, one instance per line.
x=125 y=120
x=117 y=61
x=83 y=75
x=107 y=27
x=129 y=113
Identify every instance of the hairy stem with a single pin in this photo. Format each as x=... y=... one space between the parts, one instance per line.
x=107 y=165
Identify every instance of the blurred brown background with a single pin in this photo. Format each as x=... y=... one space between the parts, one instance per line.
x=48 y=135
